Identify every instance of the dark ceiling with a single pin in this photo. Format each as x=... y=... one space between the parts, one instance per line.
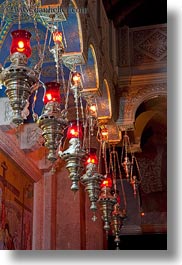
x=136 y=13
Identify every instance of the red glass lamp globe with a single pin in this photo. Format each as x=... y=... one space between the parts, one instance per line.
x=21 y=42
x=52 y=93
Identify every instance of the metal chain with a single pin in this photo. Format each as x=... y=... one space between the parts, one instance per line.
x=44 y=47
x=85 y=134
x=137 y=165
x=62 y=75
x=100 y=155
x=115 y=162
x=67 y=93
x=122 y=185
x=84 y=122
x=113 y=165
x=32 y=12
x=64 y=37
x=104 y=156
x=19 y=14
x=4 y=14
x=82 y=74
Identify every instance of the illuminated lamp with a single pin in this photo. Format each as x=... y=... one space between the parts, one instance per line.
x=92 y=159
x=107 y=182
x=104 y=134
x=76 y=79
x=74 y=130
x=92 y=110
x=58 y=37
x=106 y=201
x=92 y=180
x=52 y=93
x=21 y=42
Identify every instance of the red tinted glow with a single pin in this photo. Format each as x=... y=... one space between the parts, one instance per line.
x=74 y=131
x=104 y=134
x=118 y=199
x=92 y=159
x=21 y=42
x=52 y=92
x=106 y=183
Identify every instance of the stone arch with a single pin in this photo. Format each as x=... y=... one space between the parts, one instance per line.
x=90 y=72
x=149 y=95
x=79 y=24
x=74 y=55
x=130 y=103
x=144 y=115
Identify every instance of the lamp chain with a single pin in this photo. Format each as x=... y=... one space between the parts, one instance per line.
x=114 y=162
x=84 y=122
x=44 y=47
x=64 y=37
x=4 y=14
x=31 y=12
x=19 y=14
x=137 y=165
x=62 y=75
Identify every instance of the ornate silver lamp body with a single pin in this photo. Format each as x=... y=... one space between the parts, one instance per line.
x=106 y=201
x=53 y=123
x=20 y=81
x=116 y=223
x=74 y=157
x=92 y=180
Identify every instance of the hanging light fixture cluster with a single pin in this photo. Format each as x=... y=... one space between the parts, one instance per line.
x=130 y=164
x=81 y=159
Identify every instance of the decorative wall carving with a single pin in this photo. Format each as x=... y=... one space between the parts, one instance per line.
x=6 y=111
x=141 y=49
x=149 y=45
x=124 y=50
x=30 y=137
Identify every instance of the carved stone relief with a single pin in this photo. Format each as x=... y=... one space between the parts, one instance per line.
x=149 y=45
x=124 y=47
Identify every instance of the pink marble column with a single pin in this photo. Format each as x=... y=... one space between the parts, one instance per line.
x=94 y=230
x=68 y=214
x=38 y=209
x=63 y=219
